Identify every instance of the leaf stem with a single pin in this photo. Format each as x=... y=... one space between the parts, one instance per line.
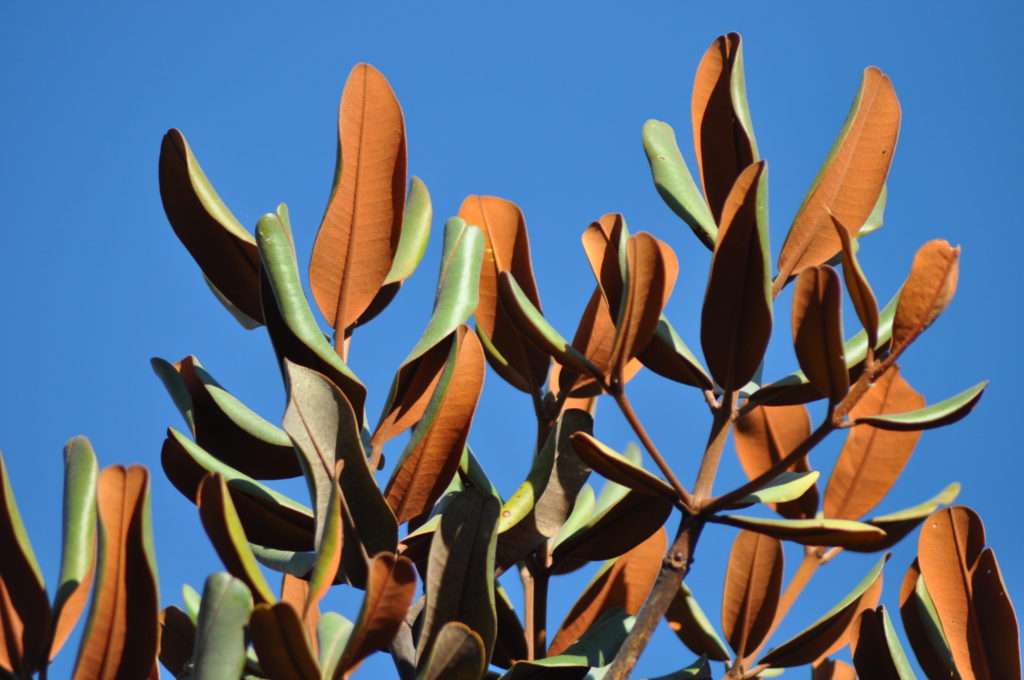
x=627 y=410
x=673 y=570
x=720 y=426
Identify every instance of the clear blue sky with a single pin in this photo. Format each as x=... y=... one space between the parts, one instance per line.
x=540 y=103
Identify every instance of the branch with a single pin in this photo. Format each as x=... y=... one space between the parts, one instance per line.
x=724 y=417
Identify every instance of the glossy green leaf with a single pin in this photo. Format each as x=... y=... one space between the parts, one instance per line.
x=220 y=630
x=457 y=654
x=876 y=218
x=786 y=487
x=896 y=525
x=827 y=634
x=582 y=511
x=532 y=323
x=78 y=541
x=270 y=518
x=220 y=519
x=689 y=622
x=945 y=412
x=191 y=598
x=609 y=464
x=293 y=330
x=674 y=182
x=616 y=529
x=668 y=356
x=332 y=632
x=820 y=531
x=595 y=648
x=220 y=245
x=539 y=508
x=460 y=571
x=298 y=564
x=472 y=472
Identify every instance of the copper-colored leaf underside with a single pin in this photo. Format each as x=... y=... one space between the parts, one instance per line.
x=914 y=618
x=359 y=234
x=424 y=473
x=764 y=436
x=625 y=585
x=414 y=385
x=281 y=644
x=830 y=669
x=753 y=582
x=722 y=146
x=872 y=459
x=390 y=589
x=927 y=292
x=507 y=249
x=736 y=319
x=818 y=331
x=850 y=184
x=630 y=522
x=121 y=638
x=295 y=591
x=647 y=291
x=861 y=295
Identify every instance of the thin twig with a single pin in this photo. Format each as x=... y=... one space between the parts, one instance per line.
x=720 y=426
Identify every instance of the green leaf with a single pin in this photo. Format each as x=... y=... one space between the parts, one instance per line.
x=293 y=330
x=298 y=564
x=840 y=532
x=875 y=219
x=668 y=356
x=332 y=633
x=822 y=635
x=674 y=182
x=220 y=631
x=78 y=544
x=896 y=525
x=878 y=652
x=532 y=323
x=457 y=654
x=943 y=413
x=191 y=598
x=595 y=648
x=616 y=529
x=786 y=487
x=609 y=464
x=686 y=617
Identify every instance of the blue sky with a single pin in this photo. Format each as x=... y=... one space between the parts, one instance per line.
x=541 y=103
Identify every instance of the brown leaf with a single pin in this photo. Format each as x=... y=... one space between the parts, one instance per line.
x=618 y=469
x=850 y=180
x=872 y=459
x=359 y=234
x=931 y=653
x=177 y=639
x=996 y=618
x=510 y=642
x=624 y=526
x=414 y=385
x=691 y=625
x=870 y=649
x=949 y=549
x=221 y=436
x=507 y=249
x=390 y=589
x=753 y=582
x=594 y=338
x=830 y=669
x=281 y=644
x=926 y=293
x=295 y=591
x=724 y=148
x=457 y=654
x=647 y=291
x=221 y=246
x=122 y=633
x=436 y=446
x=602 y=242
x=765 y=435
x=818 y=331
x=736 y=319
x=623 y=583
x=861 y=295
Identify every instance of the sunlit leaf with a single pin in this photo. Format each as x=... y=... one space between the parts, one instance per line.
x=123 y=629
x=923 y=628
x=723 y=136
x=220 y=245
x=611 y=465
x=596 y=648
x=819 y=531
x=945 y=412
x=358 y=238
x=750 y=596
x=689 y=622
x=927 y=292
x=877 y=652
x=736 y=319
x=668 y=356
x=830 y=669
x=872 y=459
x=615 y=529
x=765 y=435
x=850 y=180
x=333 y=631
x=896 y=525
x=220 y=632
x=861 y=295
x=296 y=592
x=786 y=488
x=647 y=287
x=831 y=632
x=818 y=331
x=674 y=182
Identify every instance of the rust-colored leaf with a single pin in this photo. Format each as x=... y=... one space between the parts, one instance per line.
x=620 y=529
x=926 y=293
x=602 y=242
x=433 y=453
x=623 y=583
x=922 y=626
x=508 y=249
x=177 y=639
x=765 y=435
x=818 y=331
x=618 y=469
x=966 y=588
x=689 y=622
x=281 y=644
x=594 y=338
x=413 y=386
x=724 y=146
x=359 y=234
x=753 y=582
x=222 y=248
x=390 y=589
x=861 y=295
x=736 y=319
x=833 y=669
x=850 y=180
x=647 y=290
x=295 y=591
x=510 y=642
x=122 y=633
x=872 y=459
